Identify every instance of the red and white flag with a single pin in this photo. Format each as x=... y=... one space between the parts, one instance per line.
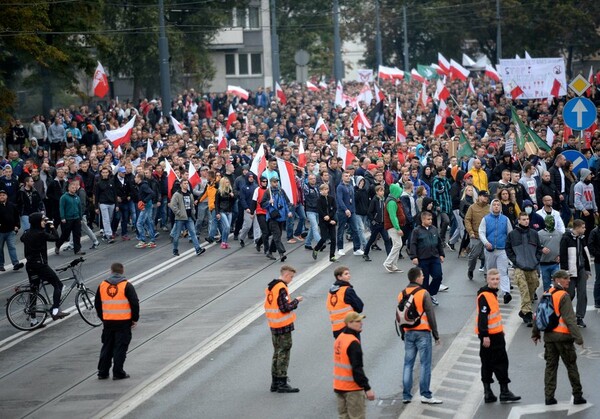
x=472 y=88
x=458 y=121
x=323 y=85
x=238 y=91
x=311 y=87
x=230 y=118
x=259 y=162
x=339 y=95
x=555 y=91
x=346 y=155
x=121 y=135
x=177 y=125
x=287 y=178
x=438 y=126
x=549 y=136
x=444 y=65
x=100 y=84
x=588 y=92
x=491 y=72
x=362 y=118
x=514 y=90
x=221 y=140
x=321 y=125
x=441 y=91
x=356 y=126
x=301 y=153
x=458 y=71
x=443 y=110
x=414 y=75
x=366 y=95
x=400 y=130
x=390 y=73
x=279 y=93
x=567 y=132
x=193 y=176
x=149 y=151
x=171 y=178
x=437 y=69
x=379 y=95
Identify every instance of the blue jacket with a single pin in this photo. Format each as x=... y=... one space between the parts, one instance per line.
x=345 y=198
x=280 y=202
x=245 y=193
x=497 y=228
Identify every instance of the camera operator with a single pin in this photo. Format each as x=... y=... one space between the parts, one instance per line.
x=36 y=252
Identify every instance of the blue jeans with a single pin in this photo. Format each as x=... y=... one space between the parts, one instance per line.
x=225 y=225
x=353 y=223
x=122 y=216
x=25 y=223
x=213 y=224
x=431 y=267
x=144 y=222
x=201 y=213
x=133 y=212
x=417 y=341
x=313 y=231
x=181 y=225
x=8 y=238
x=548 y=270
x=298 y=213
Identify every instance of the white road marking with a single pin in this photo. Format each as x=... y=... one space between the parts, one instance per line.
x=530 y=409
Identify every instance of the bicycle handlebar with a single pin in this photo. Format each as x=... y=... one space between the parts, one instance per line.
x=72 y=264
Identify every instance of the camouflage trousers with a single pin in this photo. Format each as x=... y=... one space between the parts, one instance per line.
x=282 y=344
x=565 y=351
x=528 y=282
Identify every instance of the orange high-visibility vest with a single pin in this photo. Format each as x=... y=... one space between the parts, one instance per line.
x=275 y=317
x=418 y=302
x=338 y=308
x=494 y=317
x=115 y=305
x=342 y=369
x=556 y=296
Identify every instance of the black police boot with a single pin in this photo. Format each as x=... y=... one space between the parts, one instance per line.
x=488 y=394
x=275 y=384
x=506 y=396
x=284 y=387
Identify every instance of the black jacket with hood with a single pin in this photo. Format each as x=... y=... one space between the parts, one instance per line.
x=36 y=238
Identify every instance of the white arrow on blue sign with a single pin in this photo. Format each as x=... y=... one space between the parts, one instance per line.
x=579 y=113
x=578 y=159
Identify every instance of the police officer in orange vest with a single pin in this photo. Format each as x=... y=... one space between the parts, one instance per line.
x=279 y=309
x=118 y=306
x=492 y=349
x=341 y=300
x=558 y=343
x=350 y=383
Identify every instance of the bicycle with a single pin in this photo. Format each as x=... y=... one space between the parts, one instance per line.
x=28 y=308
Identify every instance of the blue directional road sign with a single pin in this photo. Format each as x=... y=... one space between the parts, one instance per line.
x=578 y=159
x=579 y=113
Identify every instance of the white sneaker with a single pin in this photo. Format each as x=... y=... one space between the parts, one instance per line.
x=481 y=270
x=431 y=400
x=358 y=252
x=341 y=252
x=443 y=287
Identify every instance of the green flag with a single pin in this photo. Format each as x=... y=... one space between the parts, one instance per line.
x=534 y=138
x=464 y=147
x=426 y=71
x=520 y=127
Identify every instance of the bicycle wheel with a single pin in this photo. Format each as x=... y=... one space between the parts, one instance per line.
x=27 y=310
x=84 y=300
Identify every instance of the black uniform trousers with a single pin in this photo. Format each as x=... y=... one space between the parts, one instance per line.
x=115 y=342
x=494 y=360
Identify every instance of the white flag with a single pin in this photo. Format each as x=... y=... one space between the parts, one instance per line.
x=149 y=152
x=549 y=137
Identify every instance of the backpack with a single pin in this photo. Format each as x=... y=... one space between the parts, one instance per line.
x=407 y=315
x=546 y=319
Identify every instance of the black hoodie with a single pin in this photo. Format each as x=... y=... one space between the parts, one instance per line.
x=36 y=238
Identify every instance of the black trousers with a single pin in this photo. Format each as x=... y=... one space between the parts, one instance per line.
x=68 y=227
x=328 y=232
x=377 y=229
x=277 y=228
x=115 y=343
x=494 y=360
x=38 y=272
x=264 y=231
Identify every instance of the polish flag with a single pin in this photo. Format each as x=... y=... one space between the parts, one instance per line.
x=311 y=87
x=588 y=92
x=437 y=69
x=149 y=152
x=515 y=90
x=238 y=91
x=121 y=135
x=356 y=125
x=208 y=109
x=414 y=75
x=567 y=132
x=589 y=133
x=321 y=125
x=323 y=85
x=287 y=178
x=346 y=155
x=458 y=71
x=171 y=178
x=230 y=118
x=492 y=73
x=443 y=110
x=379 y=95
x=390 y=73
x=301 y=153
x=193 y=176
x=555 y=92
x=458 y=121
x=339 y=95
x=279 y=93
x=221 y=140
x=472 y=88
x=362 y=118
x=100 y=84
x=259 y=162
x=177 y=125
x=366 y=95
x=400 y=130
x=438 y=126
x=444 y=64
x=441 y=91
x=549 y=136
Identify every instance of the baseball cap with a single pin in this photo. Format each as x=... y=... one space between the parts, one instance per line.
x=3 y=191
x=468 y=176
x=371 y=166
x=353 y=316
x=121 y=169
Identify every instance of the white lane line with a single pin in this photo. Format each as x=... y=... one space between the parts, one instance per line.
x=145 y=390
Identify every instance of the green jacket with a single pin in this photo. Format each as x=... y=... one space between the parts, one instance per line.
x=392 y=204
x=70 y=207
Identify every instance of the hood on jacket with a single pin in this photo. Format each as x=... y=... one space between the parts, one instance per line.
x=114 y=279
x=486 y=288
x=584 y=173
x=395 y=190
x=360 y=179
x=35 y=220
x=426 y=201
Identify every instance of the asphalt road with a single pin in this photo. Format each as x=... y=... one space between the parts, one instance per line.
x=203 y=349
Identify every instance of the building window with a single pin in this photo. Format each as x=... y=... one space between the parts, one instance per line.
x=240 y=16
x=230 y=64
x=244 y=18
x=254 y=18
x=256 y=60
x=243 y=64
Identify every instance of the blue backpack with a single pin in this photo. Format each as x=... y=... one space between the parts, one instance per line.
x=546 y=319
